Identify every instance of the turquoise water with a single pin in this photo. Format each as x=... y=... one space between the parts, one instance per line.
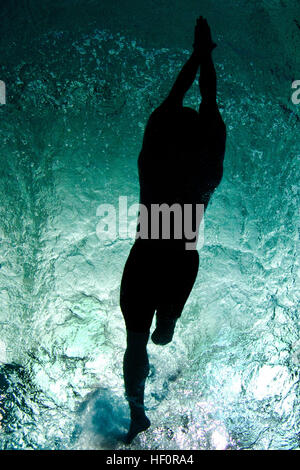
x=81 y=80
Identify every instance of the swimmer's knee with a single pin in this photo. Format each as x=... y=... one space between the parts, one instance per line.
x=137 y=338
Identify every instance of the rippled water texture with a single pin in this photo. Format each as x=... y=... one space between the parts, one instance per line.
x=81 y=83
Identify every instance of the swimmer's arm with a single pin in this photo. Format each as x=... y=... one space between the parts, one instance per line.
x=208 y=80
x=203 y=46
x=184 y=80
x=213 y=122
x=187 y=75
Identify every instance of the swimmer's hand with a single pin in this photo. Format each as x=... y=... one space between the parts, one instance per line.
x=203 y=43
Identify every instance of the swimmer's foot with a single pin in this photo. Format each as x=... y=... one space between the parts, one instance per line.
x=164 y=331
x=137 y=426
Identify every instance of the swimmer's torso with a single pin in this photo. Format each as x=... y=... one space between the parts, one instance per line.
x=181 y=161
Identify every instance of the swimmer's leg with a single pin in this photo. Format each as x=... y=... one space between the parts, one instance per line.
x=136 y=370
x=175 y=293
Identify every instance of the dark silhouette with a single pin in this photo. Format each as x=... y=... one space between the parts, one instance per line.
x=181 y=162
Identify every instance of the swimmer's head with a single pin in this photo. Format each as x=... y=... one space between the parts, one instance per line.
x=185 y=120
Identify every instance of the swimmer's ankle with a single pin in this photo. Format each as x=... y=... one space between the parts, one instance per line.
x=137 y=425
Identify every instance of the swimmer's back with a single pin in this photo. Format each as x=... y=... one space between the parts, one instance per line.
x=181 y=159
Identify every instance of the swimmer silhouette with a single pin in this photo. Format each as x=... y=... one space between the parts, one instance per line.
x=181 y=162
